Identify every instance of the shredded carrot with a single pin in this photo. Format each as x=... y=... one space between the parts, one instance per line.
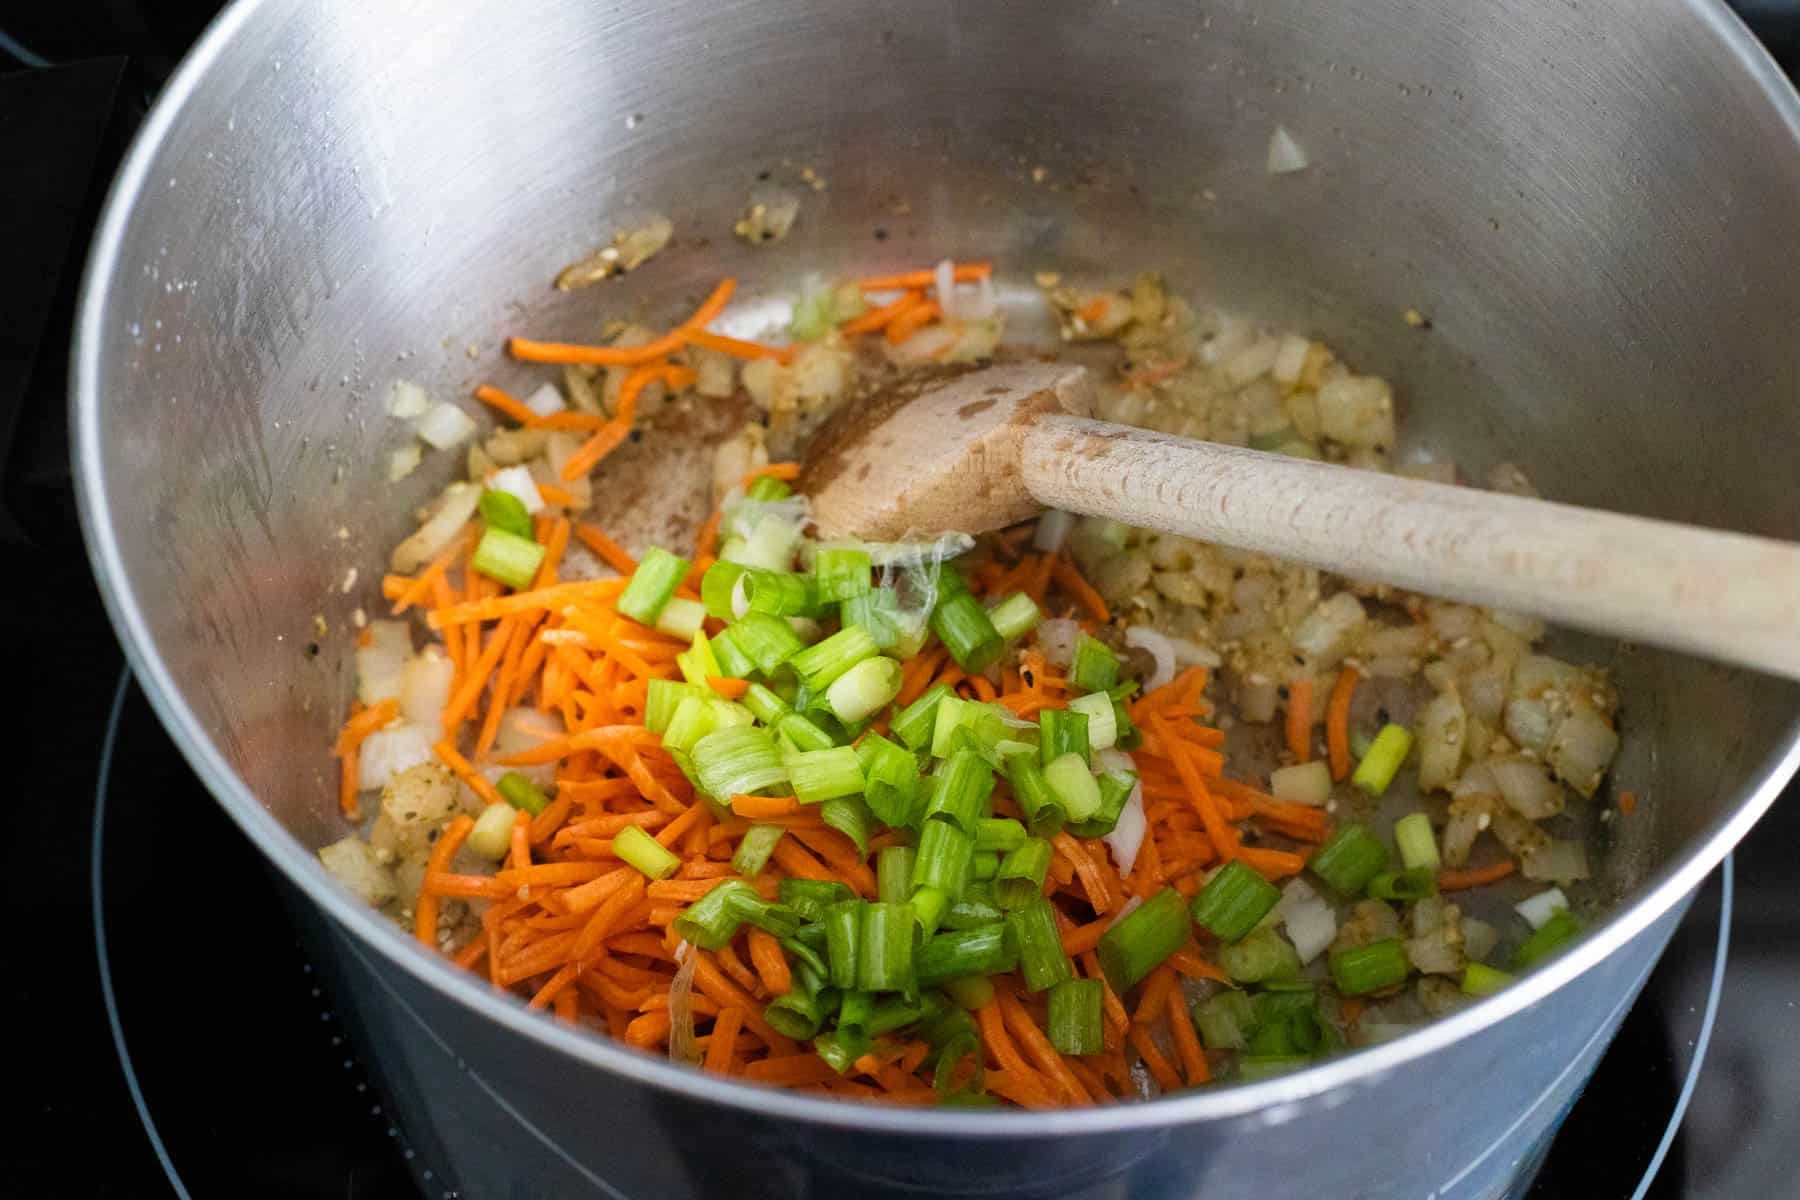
x=610 y=552
x=1080 y=589
x=706 y=539
x=731 y=689
x=1474 y=877
x=771 y=963
x=879 y=318
x=721 y=1053
x=760 y=807
x=1628 y=802
x=961 y=273
x=1187 y=1042
x=1298 y=726
x=1337 y=721
x=498 y=400
x=1154 y=1062
x=425 y=911
x=905 y=324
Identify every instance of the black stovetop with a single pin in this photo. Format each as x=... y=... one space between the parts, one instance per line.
x=174 y=1039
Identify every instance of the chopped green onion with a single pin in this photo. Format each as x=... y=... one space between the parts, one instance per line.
x=765 y=640
x=1360 y=743
x=915 y=723
x=1382 y=762
x=850 y=816
x=1063 y=731
x=1076 y=1014
x=1251 y=1068
x=781 y=593
x=1350 y=858
x=511 y=559
x=1115 y=793
x=763 y=704
x=841 y=574
x=1225 y=1020
x=1415 y=884
x=1015 y=616
x=1304 y=783
x=711 y=921
x=864 y=690
x=681 y=618
x=1031 y=791
x=1020 y=878
x=492 y=835
x=740 y=760
x=894 y=873
x=765 y=488
x=964 y=784
x=652 y=585
x=944 y=858
x=1102 y=723
x=1365 y=969
x=820 y=664
x=1418 y=845
x=988 y=950
x=664 y=696
x=1478 y=979
x=895 y=1011
x=733 y=662
x=697 y=662
x=811 y=897
x=1287 y=1021
x=970 y=992
x=843 y=933
x=929 y=905
x=1260 y=956
x=770 y=545
x=1233 y=901
x=842 y=1047
x=754 y=851
x=1127 y=736
x=876 y=610
x=1074 y=786
x=999 y=833
x=1041 y=959
x=695 y=717
x=884 y=948
x=964 y=1047
x=819 y=775
x=973 y=909
x=638 y=849
x=805 y=735
x=718 y=587
x=505 y=512
x=1095 y=667
x=801 y=1012
x=520 y=792
x=1549 y=937
x=799 y=948
x=965 y=627
x=890 y=781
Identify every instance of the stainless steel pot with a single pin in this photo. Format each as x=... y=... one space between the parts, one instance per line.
x=1598 y=205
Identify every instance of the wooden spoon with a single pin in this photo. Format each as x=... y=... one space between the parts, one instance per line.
x=987 y=448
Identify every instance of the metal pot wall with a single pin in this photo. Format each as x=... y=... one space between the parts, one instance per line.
x=1597 y=205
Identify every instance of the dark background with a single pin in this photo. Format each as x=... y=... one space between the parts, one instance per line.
x=250 y=1087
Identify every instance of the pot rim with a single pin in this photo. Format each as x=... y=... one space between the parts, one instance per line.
x=1272 y=1101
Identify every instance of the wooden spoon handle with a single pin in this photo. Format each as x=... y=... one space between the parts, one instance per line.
x=1727 y=596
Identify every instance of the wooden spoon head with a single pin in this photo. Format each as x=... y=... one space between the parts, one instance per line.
x=939 y=454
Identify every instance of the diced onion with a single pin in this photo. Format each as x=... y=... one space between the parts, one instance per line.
x=1285 y=154
x=1052 y=530
x=407 y=400
x=1527 y=787
x=1057 y=638
x=1561 y=861
x=404 y=461
x=458 y=505
x=425 y=688
x=517 y=481
x=381 y=664
x=546 y=401
x=681 y=1006
x=1311 y=925
x=445 y=426
x=1479 y=938
x=1324 y=634
x=387 y=752
x=1127 y=837
x=353 y=863
x=1540 y=908
x=1125 y=910
x=1160 y=648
